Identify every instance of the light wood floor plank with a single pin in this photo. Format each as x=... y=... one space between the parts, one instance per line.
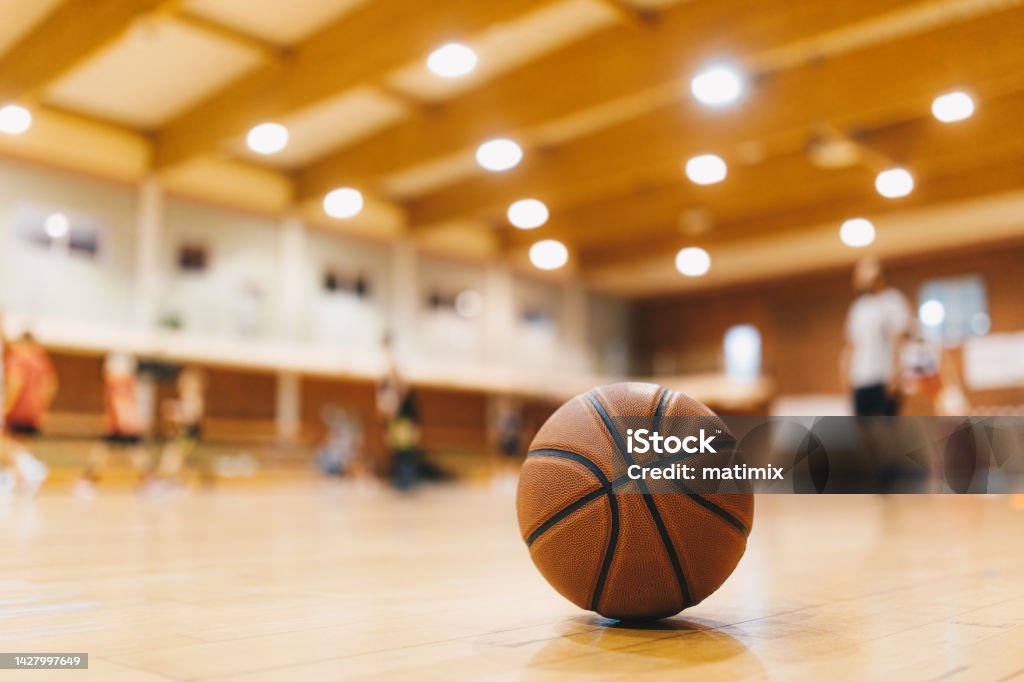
x=316 y=582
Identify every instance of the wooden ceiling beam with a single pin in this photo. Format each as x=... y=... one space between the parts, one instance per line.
x=73 y=32
x=646 y=66
x=631 y=13
x=685 y=209
x=362 y=47
x=178 y=10
x=267 y=51
x=987 y=181
x=995 y=164
x=777 y=185
x=888 y=82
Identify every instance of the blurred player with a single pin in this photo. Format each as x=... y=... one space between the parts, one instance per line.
x=186 y=415
x=930 y=377
x=876 y=327
x=506 y=434
x=339 y=453
x=933 y=387
x=404 y=435
x=398 y=410
x=29 y=384
x=124 y=424
x=389 y=386
x=508 y=426
x=388 y=400
x=7 y=475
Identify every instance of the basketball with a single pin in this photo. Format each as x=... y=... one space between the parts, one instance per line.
x=627 y=549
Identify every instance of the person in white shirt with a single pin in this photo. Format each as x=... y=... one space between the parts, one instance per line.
x=876 y=328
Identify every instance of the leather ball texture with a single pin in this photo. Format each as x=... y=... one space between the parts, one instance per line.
x=625 y=556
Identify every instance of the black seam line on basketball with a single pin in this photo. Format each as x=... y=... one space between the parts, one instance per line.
x=666 y=396
x=572 y=506
x=652 y=506
x=574 y=456
x=613 y=543
x=724 y=443
x=613 y=507
x=583 y=501
x=690 y=492
x=714 y=509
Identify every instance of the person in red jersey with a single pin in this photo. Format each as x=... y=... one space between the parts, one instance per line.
x=31 y=384
x=124 y=425
x=28 y=383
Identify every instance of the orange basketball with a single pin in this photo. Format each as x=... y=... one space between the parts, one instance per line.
x=650 y=554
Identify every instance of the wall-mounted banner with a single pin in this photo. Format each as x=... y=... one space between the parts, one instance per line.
x=707 y=455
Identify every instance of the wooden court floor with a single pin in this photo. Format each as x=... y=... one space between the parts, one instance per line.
x=319 y=582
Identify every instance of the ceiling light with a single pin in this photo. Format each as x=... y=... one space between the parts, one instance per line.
x=527 y=214
x=857 y=232
x=499 y=154
x=549 y=254
x=717 y=85
x=57 y=225
x=894 y=183
x=343 y=203
x=706 y=169
x=953 y=106
x=452 y=60
x=267 y=138
x=15 y=120
x=932 y=313
x=693 y=261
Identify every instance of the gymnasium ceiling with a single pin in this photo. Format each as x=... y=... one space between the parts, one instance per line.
x=596 y=91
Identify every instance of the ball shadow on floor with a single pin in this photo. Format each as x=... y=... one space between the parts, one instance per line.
x=598 y=644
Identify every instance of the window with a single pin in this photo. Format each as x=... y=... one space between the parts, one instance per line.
x=743 y=352
x=193 y=258
x=537 y=317
x=58 y=230
x=441 y=301
x=335 y=282
x=952 y=310
x=84 y=241
x=467 y=303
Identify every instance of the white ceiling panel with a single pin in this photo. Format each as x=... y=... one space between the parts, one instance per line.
x=284 y=22
x=158 y=70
